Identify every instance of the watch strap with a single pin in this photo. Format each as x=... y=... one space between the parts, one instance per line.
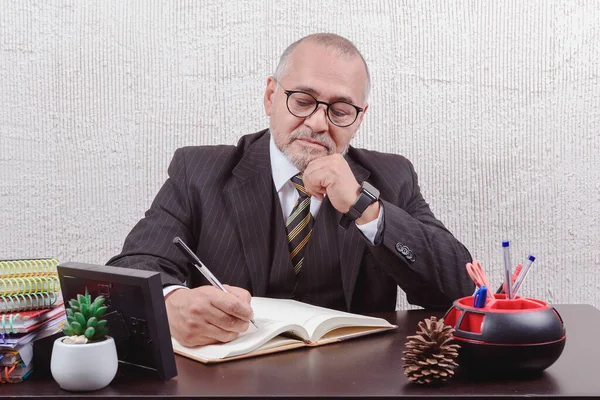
x=368 y=195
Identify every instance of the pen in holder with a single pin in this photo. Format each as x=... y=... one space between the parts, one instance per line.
x=506 y=337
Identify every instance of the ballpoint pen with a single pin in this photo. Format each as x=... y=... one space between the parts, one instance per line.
x=507 y=269
x=201 y=267
x=523 y=274
x=515 y=275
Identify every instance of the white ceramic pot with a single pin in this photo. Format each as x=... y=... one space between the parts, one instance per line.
x=80 y=367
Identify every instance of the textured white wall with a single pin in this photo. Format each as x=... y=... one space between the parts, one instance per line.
x=497 y=103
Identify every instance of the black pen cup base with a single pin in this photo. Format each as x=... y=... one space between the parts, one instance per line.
x=506 y=337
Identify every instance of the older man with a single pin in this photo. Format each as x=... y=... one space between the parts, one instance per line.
x=295 y=212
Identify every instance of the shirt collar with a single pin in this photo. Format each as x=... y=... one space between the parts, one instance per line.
x=281 y=168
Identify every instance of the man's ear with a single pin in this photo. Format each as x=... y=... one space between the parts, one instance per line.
x=360 y=119
x=270 y=95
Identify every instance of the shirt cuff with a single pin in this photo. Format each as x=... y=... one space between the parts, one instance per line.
x=372 y=230
x=170 y=288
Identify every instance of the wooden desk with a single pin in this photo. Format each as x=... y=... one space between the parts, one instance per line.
x=369 y=366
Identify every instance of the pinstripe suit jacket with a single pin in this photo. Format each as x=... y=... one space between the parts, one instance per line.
x=219 y=199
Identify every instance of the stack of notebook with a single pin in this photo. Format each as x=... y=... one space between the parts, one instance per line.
x=31 y=308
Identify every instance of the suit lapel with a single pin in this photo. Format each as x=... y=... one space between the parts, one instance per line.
x=250 y=194
x=351 y=243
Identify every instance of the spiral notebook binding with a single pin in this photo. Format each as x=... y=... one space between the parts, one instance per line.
x=27 y=302
x=28 y=267
x=32 y=284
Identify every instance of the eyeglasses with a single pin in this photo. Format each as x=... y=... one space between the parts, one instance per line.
x=303 y=105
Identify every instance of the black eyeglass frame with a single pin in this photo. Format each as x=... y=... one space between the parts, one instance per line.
x=317 y=102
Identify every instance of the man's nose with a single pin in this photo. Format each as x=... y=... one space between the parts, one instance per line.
x=318 y=120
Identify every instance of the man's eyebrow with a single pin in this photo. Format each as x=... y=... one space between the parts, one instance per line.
x=315 y=93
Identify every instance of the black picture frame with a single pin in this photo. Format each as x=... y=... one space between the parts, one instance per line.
x=137 y=317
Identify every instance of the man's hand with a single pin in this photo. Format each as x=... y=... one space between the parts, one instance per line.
x=332 y=175
x=206 y=315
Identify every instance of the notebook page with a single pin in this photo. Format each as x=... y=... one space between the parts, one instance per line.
x=309 y=316
x=246 y=342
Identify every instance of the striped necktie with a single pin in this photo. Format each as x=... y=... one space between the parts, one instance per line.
x=299 y=225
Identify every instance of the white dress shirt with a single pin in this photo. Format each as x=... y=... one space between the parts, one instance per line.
x=282 y=171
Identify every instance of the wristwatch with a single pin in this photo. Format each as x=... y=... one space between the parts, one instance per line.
x=368 y=195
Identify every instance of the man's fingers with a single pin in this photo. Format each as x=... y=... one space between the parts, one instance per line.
x=240 y=293
x=207 y=315
x=222 y=335
x=226 y=322
x=230 y=304
x=312 y=184
x=210 y=334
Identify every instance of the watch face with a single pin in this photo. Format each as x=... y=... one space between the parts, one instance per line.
x=370 y=195
x=370 y=191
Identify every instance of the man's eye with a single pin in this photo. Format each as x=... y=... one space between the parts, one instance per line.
x=302 y=103
x=339 y=113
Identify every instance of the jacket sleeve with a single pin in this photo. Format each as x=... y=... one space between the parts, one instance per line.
x=149 y=245
x=417 y=250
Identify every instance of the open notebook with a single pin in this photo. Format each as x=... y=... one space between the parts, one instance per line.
x=284 y=325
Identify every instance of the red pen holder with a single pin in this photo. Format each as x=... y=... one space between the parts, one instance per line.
x=518 y=336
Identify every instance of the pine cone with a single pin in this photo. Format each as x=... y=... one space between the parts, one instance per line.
x=429 y=356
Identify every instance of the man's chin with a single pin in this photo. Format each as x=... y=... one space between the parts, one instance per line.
x=301 y=159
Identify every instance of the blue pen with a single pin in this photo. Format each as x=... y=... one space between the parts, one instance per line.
x=480 y=297
x=507 y=270
x=523 y=275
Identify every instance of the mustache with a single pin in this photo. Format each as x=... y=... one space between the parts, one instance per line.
x=308 y=133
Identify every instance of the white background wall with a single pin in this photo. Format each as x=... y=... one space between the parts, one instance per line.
x=497 y=103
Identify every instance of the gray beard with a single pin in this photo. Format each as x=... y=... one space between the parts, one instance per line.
x=302 y=159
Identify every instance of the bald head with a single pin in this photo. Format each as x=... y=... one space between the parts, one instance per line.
x=338 y=45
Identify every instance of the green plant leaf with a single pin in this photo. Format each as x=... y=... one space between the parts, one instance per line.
x=92 y=322
x=68 y=331
x=74 y=303
x=70 y=319
x=99 y=301
x=100 y=333
x=89 y=332
x=85 y=310
x=101 y=324
x=69 y=312
x=77 y=328
x=80 y=298
x=80 y=318
x=100 y=312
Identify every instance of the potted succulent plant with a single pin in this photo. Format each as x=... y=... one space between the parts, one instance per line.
x=86 y=358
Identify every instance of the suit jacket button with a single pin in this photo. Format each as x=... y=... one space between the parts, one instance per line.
x=400 y=248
